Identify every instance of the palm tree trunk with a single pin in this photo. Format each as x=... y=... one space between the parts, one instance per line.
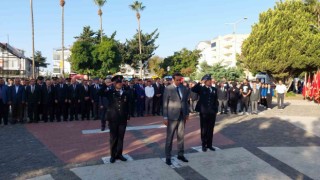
x=139 y=35
x=62 y=49
x=32 y=23
x=101 y=27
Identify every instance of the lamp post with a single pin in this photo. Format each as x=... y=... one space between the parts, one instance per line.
x=234 y=24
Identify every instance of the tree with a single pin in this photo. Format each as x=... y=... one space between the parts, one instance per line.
x=131 y=54
x=184 y=61
x=154 y=66
x=218 y=71
x=281 y=43
x=32 y=24
x=62 y=3
x=137 y=7
x=100 y=4
x=81 y=58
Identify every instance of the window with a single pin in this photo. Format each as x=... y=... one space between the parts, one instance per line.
x=214 y=44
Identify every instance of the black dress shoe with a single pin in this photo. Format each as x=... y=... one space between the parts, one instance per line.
x=204 y=149
x=182 y=158
x=122 y=158
x=168 y=161
x=112 y=160
x=212 y=148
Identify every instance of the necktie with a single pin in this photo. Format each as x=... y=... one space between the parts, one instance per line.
x=61 y=86
x=74 y=87
x=178 y=92
x=49 y=89
x=32 y=89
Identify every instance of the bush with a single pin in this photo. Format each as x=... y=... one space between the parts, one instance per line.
x=290 y=94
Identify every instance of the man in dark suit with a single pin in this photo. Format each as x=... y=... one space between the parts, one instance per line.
x=61 y=100
x=33 y=99
x=17 y=100
x=103 y=102
x=208 y=108
x=74 y=99
x=54 y=85
x=140 y=95
x=175 y=113
x=118 y=114
x=158 y=92
x=223 y=96
x=4 y=99
x=48 y=101
x=85 y=100
x=94 y=95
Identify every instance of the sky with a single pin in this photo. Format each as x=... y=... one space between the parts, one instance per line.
x=181 y=23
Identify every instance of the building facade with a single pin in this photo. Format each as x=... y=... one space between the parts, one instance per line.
x=13 y=62
x=222 y=49
x=57 y=61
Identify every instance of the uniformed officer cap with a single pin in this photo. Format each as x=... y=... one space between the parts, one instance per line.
x=40 y=78
x=206 y=77
x=117 y=79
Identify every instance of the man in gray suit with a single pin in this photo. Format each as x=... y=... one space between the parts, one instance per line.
x=175 y=113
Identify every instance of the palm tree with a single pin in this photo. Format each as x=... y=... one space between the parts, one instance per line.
x=137 y=7
x=62 y=3
x=32 y=24
x=100 y=4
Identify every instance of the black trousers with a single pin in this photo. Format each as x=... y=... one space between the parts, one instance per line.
x=269 y=101
x=103 y=117
x=156 y=105
x=74 y=105
x=61 y=110
x=4 y=111
x=233 y=105
x=96 y=110
x=245 y=103
x=33 y=112
x=207 y=122
x=47 y=111
x=117 y=132
x=85 y=109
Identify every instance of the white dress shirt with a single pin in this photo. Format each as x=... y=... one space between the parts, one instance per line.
x=281 y=89
x=149 y=91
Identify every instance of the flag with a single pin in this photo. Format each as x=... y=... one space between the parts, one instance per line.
x=317 y=88
x=308 y=87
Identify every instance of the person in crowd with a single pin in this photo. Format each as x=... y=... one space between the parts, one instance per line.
x=269 y=95
x=254 y=98
x=234 y=94
x=157 y=98
x=175 y=113
x=245 y=91
x=149 y=91
x=208 y=108
x=117 y=115
x=74 y=99
x=281 y=90
x=222 y=93
x=263 y=95
x=47 y=101
x=103 y=102
x=140 y=94
x=4 y=99
x=61 y=100
x=85 y=100
x=17 y=99
x=94 y=96
x=133 y=97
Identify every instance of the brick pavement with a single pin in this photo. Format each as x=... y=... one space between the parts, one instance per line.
x=54 y=148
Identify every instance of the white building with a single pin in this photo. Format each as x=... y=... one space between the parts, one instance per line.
x=13 y=62
x=222 y=49
x=57 y=61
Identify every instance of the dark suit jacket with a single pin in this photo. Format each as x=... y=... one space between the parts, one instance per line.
x=118 y=109
x=47 y=97
x=94 y=93
x=139 y=91
x=61 y=94
x=34 y=97
x=74 y=93
x=173 y=105
x=5 y=94
x=17 y=97
x=208 y=102
x=222 y=93
x=103 y=99
x=158 y=90
x=84 y=93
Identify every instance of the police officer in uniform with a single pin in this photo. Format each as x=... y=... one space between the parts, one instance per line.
x=118 y=113
x=208 y=108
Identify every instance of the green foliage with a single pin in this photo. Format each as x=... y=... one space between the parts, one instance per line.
x=39 y=60
x=137 y=6
x=131 y=54
x=290 y=94
x=282 y=44
x=154 y=66
x=184 y=61
x=92 y=57
x=219 y=72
